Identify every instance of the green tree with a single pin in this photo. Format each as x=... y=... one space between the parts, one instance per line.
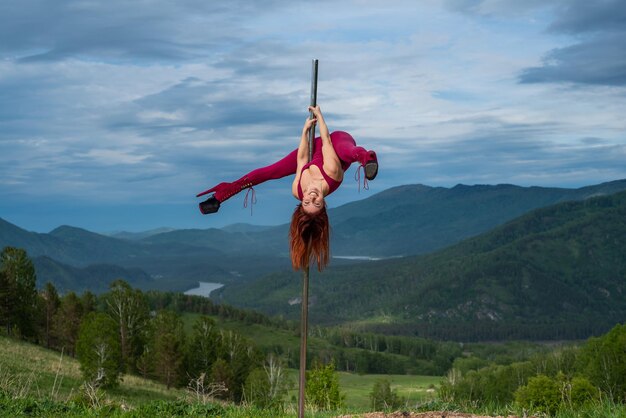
x=99 y=351
x=18 y=293
x=266 y=387
x=241 y=357
x=67 y=320
x=168 y=340
x=129 y=308
x=89 y=301
x=51 y=303
x=222 y=374
x=603 y=361
x=322 y=388
x=203 y=347
x=383 y=397
x=257 y=389
x=7 y=302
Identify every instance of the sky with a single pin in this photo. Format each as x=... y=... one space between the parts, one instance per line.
x=114 y=114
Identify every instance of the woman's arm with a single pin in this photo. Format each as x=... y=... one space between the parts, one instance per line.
x=303 y=154
x=332 y=164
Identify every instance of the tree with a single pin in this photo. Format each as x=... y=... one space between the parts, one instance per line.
x=7 y=302
x=51 y=303
x=89 y=301
x=67 y=320
x=241 y=358
x=99 y=351
x=203 y=347
x=257 y=388
x=222 y=374
x=603 y=361
x=322 y=388
x=129 y=309
x=266 y=387
x=18 y=292
x=278 y=382
x=168 y=342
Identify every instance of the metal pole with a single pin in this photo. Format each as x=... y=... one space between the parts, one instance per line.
x=304 y=318
x=303 y=334
x=313 y=103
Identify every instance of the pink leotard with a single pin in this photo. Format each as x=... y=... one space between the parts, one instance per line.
x=318 y=161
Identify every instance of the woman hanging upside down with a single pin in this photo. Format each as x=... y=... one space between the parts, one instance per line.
x=333 y=154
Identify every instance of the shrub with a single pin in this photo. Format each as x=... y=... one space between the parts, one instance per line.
x=541 y=394
x=582 y=392
x=322 y=388
x=383 y=397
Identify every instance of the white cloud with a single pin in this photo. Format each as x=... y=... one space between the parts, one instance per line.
x=178 y=95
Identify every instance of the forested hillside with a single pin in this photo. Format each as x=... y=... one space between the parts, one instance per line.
x=417 y=219
x=557 y=272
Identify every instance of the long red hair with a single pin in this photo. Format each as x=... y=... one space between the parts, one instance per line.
x=309 y=238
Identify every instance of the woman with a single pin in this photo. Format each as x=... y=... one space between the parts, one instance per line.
x=314 y=180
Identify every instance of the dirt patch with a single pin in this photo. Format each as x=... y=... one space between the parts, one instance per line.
x=434 y=414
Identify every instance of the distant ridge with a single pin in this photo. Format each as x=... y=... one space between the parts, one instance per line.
x=135 y=236
x=417 y=219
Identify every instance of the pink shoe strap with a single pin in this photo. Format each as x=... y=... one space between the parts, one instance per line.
x=357 y=177
x=252 y=199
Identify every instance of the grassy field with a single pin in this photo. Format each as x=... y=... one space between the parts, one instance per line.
x=27 y=369
x=30 y=374
x=357 y=388
x=416 y=389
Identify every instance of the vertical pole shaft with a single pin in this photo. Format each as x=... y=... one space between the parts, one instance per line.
x=303 y=336
x=313 y=103
x=304 y=318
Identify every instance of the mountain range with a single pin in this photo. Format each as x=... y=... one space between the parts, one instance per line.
x=556 y=272
x=416 y=228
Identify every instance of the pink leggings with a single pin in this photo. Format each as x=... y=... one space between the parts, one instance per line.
x=346 y=148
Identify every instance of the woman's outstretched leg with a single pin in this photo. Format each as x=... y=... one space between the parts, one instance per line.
x=349 y=152
x=285 y=167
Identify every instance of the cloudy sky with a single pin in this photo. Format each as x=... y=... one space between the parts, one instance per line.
x=114 y=114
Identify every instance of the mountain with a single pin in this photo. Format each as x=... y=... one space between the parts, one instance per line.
x=173 y=265
x=244 y=228
x=95 y=278
x=419 y=219
x=134 y=236
x=404 y=220
x=556 y=272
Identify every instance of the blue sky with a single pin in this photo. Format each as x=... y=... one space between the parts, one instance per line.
x=114 y=114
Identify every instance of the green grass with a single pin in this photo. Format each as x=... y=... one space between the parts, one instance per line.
x=27 y=387
x=357 y=388
x=27 y=370
x=416 y=389
x=30 y=370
